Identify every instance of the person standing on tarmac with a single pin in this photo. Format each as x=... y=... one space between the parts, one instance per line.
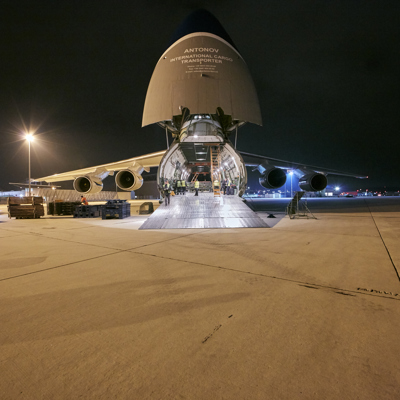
x=196 y=188
x=183 y=186
x=178 y=187
x=167 y=192
x=84 y=201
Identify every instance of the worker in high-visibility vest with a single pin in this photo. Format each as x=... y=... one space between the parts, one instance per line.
x=167 y=192
x=196 y=188
x=216 y=184
x=183 y=186
x=228 y=186
x=178 y=187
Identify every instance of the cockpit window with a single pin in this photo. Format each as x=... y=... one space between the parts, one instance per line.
x=202 y=128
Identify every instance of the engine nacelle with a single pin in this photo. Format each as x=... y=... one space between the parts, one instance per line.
x=88 y=185
x=127 y=179
x=273 y=178
x=313 y=182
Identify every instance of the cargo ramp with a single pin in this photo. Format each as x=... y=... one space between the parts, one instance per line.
x=204 y=211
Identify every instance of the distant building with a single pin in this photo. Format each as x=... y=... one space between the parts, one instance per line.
x=13 y=193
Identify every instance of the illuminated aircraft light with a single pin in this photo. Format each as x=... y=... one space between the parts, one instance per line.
x=337 y=188
x=291 y=173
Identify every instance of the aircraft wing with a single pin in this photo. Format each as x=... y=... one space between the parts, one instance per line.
x=142 y=162
x=256 y=160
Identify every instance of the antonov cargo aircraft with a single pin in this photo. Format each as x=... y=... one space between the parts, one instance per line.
x=201 y=92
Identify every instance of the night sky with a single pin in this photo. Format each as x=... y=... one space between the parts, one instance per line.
x=326 y=72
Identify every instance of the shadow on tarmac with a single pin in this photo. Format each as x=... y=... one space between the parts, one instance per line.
x=90 y=309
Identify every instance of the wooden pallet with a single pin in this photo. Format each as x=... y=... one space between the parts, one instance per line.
x=30 y=200
x=25 y=207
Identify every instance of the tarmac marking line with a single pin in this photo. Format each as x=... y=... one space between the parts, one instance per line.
x=88 y=259
x=211 y=334
x=116 y=248
x=83 y=244
x=346 y=294
x=215 y=330
x=81 y=227
x=379 y=291
x=310 y=287
x=306 y=284
x=16 y=235
x=167 y=240
x=60 y=266
x=71 y=241
x=383 y=241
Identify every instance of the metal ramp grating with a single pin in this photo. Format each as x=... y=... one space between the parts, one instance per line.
x=204 y=211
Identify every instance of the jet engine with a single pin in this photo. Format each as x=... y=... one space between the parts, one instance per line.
x=273 y=178
x=88 y=185
x=127 y=179
x=313 y=182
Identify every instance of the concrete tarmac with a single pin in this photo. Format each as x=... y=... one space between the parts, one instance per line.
x=309 y=309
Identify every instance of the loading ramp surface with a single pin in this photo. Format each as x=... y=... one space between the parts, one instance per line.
x=204 y=211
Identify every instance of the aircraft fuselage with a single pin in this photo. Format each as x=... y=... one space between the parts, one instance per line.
x=201 y=151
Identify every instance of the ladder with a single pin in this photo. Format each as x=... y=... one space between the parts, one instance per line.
x=215 y=157
x=295 y=209
x=195 y=176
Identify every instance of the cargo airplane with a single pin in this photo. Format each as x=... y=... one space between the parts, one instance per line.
x=201 y=92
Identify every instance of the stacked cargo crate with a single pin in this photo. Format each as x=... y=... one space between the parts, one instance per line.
x=116 y=209
x=62 y=207
x=25 y=207
x=87 y=211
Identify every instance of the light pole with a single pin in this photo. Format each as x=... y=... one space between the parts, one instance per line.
x=29 y=138
x=285 y=188
x=291 y=183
